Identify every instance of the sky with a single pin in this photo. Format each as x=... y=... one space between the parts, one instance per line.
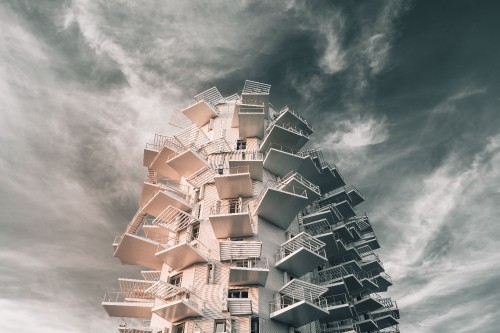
x=403 y=96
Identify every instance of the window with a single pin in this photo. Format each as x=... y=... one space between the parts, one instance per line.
x=237 y=293
x=210 y=273
x=178 y=328
x=243 y=263
x=176 y=280
x=241 y=144
x=234 y=207
x=254 y=325
x=195 y=231
x=220 y=326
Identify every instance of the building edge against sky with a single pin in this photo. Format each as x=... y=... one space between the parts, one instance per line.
x=241 y=228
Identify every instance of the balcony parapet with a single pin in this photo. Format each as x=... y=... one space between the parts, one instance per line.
x=174 y=219
x=234 y=250
x=231 y=218
x=339 y=326
x=233 y=182
x=127 y=304
x=181 y=252
x=253 y=271
x=182 y=305
x=286 y=109
x=163 y=141
x=130 y=325
x=295 y=176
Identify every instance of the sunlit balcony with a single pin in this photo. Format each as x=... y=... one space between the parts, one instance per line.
x=156 y=197
x=295 y=179
x=233 y=182
x=182 y=251
x=128 y=304
x=288 y=116
x=368 y=303
x=231 y=218
x=256 y=93
x=250 y=120
x=279 y=203
x=285 y=135
x=338 y=307
x=187 y=162
x=158 y=152
x=252 y=159
x=301 y=254
x=178 y=304
x=245 y=272
x=299 y=303
x=139 y=249
x=280 y=160
x=204 y=109
x=239 y=306
x=131 y=325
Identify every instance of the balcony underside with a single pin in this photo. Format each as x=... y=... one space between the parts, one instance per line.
x=234 y=185
x=136 y=250
x=284 y=137
x=328 y=179
x=280 y=207
x=345 y=209
x=336 y=288
x=161 y=200
x=177 y=310
x=383 y=283
x=300 y=262
x=309 y=169
x=355 y=197
x=231 y=225
x=337 y=312
x=311 y=195
x=343 y=232
x=370 y=266
x=299 y=314
x=181 y=256
x=255 y=167
x=367 y=304
x=280 y=163
x=243 y=276
x=327 y=215
x=352 y=283
x=369 y=284
x=367 y=325
x=187 y=163
x=386 y=321
x=159 y=163
x=372 y=242
x=149 y=156
x=251 y=125
x=200 y=113
x=129 y=309
x=333 y=247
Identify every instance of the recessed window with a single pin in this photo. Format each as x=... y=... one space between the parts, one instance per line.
x=178 y=328
x=254 y=325
x=176 y=280
x=241 y=144
x=237 y=293
x=195 y=231
x=210 y=273
x=220 y=326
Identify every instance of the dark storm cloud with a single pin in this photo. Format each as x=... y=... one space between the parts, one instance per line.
x=403 y=97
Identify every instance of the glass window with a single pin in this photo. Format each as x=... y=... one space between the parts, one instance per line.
x=210 y=273
x=195 y=231
x=241 y=144
x=237 y=293
x=176 y=280
x=178 y=328
x=220 y=326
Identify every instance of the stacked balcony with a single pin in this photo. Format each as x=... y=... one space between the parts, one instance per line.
x=388 y=315
x=249 y=118
x=156 y=155
x=133 y=300
x=204 y=109
x=339 y=326
x=256 y=93
x=183 y=251
x=285 y=135
x=176 y=303
x=231 y=218
x=253 y=271
x=324 y=173
x=301 y=254
x=233 y=182
x=339 y=308
x=288 y=116
x=295 y=179
x=279 y=203
x=299 y=303
x=252 y=159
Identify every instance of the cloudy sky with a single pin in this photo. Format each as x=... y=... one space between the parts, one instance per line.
x=404 y=97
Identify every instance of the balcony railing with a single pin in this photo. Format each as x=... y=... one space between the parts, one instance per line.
x=161 y=141
x=297 y=295
x=126 y=297
x=288 y=127
x=187 y=296
x=262 y=263
x=174 y=219
x=340 y=326
x=330 y=274
x=232 y=170
x=246 y=155
x=295 y=175
x=281 y=148
x=279 y=185
x=287 y=109
x=302 y=240
x=253 y=87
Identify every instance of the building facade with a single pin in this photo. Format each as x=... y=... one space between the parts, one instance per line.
x=242 y=229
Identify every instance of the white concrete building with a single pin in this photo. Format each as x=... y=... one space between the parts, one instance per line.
x=241 y=229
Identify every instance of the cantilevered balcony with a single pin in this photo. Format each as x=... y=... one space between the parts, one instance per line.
x=204 y=109
x=285 y=135
x=331 y=276
x=239 y=306
x=279 y=203
x=301 y=254
x=234 y=250
x=256 y=93
x=388 y=315
x=177 y=303
x=157 y=154
x=131 y=325
x=280 y=160
x=339 y=308
x=366 y=323
x=252 y=159
x=245 y=272
x=383 y=280
x=250 y=120
x=319 y=171
x=323 y=231
x=139 y=249
x=128 y=304
x=295 y=179
x=183 y=251
x=155 y=197
x=368 y=303
x=187 y=162
x=299 y=303
x=233 y=182
x=288 y=116
x=349 y=193
x=368 y=239
x=370 y=262
x=231 y=218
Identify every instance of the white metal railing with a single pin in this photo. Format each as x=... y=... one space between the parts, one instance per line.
x=297 y=176
x=245 y=108
x=302 y=240
x=282 y=148
x=187 y=296
x=232 y=206
x=184 y=238
x=124 y=297
x=174 y=219
x=331 y=274
x=339 y=299
x=246 y=155
x=161 y=141
x=297 y=295
x=133 y=325
x=316 y=228
x=212 y=96
x=288 y=127
x=136 y=288
x=251 y=263
x=287 y=109
x=233 y=97
x=253 y=87
x=242 y=169
x=217 y=146
x=271 y=184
